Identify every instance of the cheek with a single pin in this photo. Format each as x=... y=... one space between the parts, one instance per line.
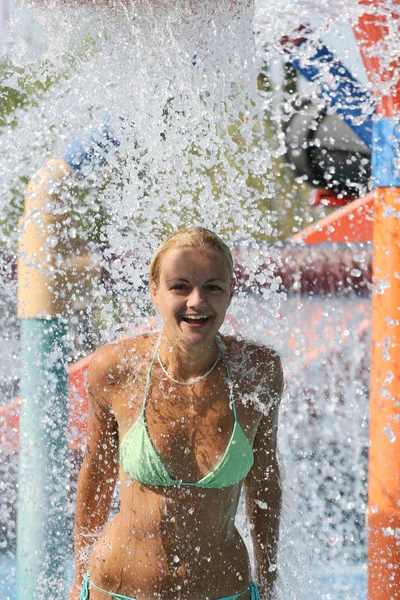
x=221 y=305
x=168 y=305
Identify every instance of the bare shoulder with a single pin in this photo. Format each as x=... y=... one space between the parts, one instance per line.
x=252 y=354
x=258 y=369
x=117 y=363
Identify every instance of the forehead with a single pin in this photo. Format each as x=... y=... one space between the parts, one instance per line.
x=189 y=263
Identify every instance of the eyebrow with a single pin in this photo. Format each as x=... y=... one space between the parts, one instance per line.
x=187 y=281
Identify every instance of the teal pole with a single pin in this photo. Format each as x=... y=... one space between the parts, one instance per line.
x=43 y=472
x=46 y=285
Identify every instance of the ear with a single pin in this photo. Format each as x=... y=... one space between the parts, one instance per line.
x=154 y=293
x=232 y=290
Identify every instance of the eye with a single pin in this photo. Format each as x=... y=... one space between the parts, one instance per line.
x=179 y=287
x=213 y=287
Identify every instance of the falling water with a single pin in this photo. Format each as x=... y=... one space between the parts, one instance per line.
x=189 y=141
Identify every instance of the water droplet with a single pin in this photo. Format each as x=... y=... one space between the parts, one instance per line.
x=355 y=273
x=272 y=568
x=388 y=431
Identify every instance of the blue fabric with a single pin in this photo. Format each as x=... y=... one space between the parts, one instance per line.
x=254 y=595
x=85 y=591
x=386 y=153
x=85 y=588
x=92 y=151
x=346 y=95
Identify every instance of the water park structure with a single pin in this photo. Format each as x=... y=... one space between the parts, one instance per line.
x=43 y=311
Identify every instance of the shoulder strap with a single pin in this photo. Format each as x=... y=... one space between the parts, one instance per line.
x=146 y=391
x=228 y=373
x=112 y=594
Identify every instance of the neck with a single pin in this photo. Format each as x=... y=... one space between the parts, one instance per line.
x=186 y=362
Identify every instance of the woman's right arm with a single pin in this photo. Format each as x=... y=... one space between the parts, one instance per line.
x=99 y=470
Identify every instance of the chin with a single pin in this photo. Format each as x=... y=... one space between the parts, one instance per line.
x=198 y=338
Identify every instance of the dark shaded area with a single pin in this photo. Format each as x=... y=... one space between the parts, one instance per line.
x=318 y=270
x=323 y=148
x=326 y=269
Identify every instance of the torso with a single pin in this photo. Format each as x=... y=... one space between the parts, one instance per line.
x=177 y=542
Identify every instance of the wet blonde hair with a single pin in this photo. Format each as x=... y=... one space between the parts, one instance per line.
x=189 y=237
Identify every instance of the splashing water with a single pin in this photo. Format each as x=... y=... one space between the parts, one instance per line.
x=176 y=85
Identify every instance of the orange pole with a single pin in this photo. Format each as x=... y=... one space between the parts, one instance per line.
x=384 y=450
x=375 y=35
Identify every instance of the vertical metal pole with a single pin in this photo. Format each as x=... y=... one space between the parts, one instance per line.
x=384 y=450
x=42 y=479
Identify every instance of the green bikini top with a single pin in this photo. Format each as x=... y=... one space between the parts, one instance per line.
x=141 y=462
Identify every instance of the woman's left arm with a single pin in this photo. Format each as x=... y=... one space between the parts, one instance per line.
x=262 y=485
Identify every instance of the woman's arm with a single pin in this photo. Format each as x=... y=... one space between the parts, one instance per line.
x=262 y=486
x=99 y=470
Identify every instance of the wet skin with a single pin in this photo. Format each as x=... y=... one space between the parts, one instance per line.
x=177 y=542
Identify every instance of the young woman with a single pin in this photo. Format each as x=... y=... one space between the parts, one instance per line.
x=182 y=419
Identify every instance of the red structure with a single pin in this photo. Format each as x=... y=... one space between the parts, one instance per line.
x=350 y=223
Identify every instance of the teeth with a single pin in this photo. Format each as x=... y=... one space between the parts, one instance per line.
x=194 y=317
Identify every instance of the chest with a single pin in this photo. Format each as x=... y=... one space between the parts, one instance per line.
x=191 y=429
x=190 y=426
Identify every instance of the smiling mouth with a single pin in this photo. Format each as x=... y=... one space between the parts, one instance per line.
x=195 y=319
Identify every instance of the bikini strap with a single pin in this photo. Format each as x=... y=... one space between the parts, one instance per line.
x=85 y=588
x=254 y=593
x=112 y=594
x=146 y=391
x=228 y=373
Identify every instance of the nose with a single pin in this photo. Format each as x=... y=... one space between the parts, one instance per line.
x=195 y=298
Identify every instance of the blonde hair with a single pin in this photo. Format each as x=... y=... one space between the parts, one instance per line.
x=189 y=237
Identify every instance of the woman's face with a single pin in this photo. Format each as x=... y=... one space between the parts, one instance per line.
x=193 y=294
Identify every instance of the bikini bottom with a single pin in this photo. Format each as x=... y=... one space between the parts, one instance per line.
x=252 y=588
